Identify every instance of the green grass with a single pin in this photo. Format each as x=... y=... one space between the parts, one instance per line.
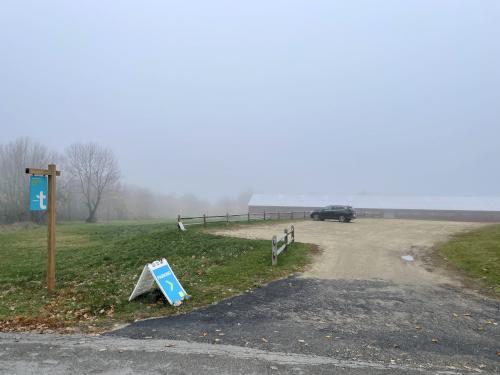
x=477 y=253
x=97 y=266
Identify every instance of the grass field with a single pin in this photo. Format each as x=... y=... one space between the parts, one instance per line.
x=98 y=265
x=477 y=253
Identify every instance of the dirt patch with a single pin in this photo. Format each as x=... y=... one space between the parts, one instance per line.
x=369 y=248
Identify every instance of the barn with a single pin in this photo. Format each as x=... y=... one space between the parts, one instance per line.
x=481 y=209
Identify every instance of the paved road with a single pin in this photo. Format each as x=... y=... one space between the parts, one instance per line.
x=379 y=324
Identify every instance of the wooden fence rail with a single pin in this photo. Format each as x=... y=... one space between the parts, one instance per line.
x=249 y=216
x=287 y=239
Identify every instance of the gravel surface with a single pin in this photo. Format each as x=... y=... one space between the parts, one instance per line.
x=368 y=248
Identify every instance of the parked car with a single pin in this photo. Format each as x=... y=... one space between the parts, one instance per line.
x=344 y=214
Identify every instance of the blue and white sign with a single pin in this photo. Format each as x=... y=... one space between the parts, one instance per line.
x=38 y=193
x=166 y=280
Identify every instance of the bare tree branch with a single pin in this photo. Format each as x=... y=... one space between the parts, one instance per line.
x=97 y=171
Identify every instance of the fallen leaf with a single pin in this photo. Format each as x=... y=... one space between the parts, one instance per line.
x=264 y=339
x=435 y=341
x=418 y=328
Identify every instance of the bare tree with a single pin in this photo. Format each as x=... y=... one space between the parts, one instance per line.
x=14 y=183
x=96 y=171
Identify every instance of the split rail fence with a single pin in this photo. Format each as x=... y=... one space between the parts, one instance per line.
x=286 y=239
x=227 y=218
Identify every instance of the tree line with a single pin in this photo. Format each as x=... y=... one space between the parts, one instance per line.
x=90 y=187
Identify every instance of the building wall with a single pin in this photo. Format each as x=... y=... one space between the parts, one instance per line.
x=451 y=215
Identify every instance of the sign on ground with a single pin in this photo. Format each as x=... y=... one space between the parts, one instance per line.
x=161 y=273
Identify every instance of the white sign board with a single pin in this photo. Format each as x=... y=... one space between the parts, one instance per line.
x=181 y=226
x=161 y=273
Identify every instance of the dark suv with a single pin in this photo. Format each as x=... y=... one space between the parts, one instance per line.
x=344 y=214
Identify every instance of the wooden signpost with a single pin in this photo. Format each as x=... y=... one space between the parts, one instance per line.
x=51 y=172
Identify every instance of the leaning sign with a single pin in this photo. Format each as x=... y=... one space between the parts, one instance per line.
x=161 y=273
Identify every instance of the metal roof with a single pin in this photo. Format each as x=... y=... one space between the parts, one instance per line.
x=378 y=202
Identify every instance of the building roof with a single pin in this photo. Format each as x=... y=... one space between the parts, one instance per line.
x=378 y=201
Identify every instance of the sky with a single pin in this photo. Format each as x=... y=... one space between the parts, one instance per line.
x=218 y=97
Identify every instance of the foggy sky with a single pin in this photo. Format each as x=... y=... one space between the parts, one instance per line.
x=216 y=97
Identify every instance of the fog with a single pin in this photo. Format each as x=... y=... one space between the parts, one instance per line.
x=215 y=98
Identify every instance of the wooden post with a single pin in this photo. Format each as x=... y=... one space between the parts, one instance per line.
x=51 y=172
x=51 y=227
x=292 y=230
x=227 y=217
x=264 y=215
x=274 y=249
x=248 y=216
x=204 y=219
x=304 y=214
x=178 y=218
x=286 y=239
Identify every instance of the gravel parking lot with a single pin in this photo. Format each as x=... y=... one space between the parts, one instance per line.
x=368 y=249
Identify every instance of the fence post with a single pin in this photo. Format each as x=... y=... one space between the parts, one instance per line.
x=292 y=230
x=304 y=214
x=178 y=218
x=227 y=217
x=248 y=216
x=264 y=215
x=204 y=219
x=274 y=255
x=286 y=239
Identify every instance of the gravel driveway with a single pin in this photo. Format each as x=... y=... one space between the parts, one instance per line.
x=368 y=248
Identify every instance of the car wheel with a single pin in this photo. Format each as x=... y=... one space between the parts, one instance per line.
x=342 y=219
x=316 y=217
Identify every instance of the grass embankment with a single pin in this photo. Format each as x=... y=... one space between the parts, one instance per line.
x=477 y=253
x=98 y=265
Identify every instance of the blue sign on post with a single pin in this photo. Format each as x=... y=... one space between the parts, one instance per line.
x=38 y=193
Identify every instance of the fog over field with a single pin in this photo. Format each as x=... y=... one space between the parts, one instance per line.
x=221 y=98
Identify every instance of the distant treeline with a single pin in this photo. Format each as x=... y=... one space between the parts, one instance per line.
x=90 y=187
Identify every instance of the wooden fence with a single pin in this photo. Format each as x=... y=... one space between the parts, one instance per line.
x=206 y=219
x=287 y=239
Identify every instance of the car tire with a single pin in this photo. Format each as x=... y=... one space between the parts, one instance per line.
x=342 y=218
x=316 y=217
